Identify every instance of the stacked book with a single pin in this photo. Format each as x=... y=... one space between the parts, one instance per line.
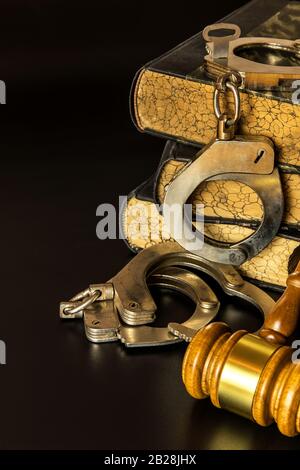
x=172 y=98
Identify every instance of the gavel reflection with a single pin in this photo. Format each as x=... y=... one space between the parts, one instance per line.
x=251 y=375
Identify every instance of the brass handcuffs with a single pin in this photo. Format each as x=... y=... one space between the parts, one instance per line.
x=263 y=62
x=122 y=308
x=248 y=159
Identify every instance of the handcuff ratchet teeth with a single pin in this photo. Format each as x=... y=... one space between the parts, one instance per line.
x=122 y=307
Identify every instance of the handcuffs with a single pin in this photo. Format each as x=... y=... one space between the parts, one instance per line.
x=248 y=159
x=262 y=62
x=122 y=308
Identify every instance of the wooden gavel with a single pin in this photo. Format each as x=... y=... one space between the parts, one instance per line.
x=251 y=375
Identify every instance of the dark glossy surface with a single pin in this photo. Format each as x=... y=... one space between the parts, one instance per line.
x=61 y=155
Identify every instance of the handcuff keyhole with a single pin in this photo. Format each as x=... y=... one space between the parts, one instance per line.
x=260 y=154
x=133 y=305
x=96 y=322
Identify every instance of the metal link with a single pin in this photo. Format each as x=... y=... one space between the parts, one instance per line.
x=163 y=265
x=231 y=81
x=87 y=300
x=229 y=77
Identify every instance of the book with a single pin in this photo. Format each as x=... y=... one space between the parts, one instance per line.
x=172 y=97
x=232 y=212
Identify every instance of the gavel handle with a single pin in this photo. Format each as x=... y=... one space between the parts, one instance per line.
x=283 y=318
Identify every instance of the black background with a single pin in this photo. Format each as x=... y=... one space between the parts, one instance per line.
x=67 y=144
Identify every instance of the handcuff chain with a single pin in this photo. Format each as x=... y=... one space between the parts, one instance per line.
x=82 y=301
x=230 y=81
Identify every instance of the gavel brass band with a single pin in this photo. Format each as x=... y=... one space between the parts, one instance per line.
x=245 y=374
x=241 y=373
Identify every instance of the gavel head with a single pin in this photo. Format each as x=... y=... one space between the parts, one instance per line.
x=245 y=374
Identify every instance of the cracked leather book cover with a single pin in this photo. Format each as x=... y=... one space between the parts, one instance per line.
x=173 y=98
x=232 y=212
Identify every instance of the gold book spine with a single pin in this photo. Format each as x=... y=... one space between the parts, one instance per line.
x=183 y=109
